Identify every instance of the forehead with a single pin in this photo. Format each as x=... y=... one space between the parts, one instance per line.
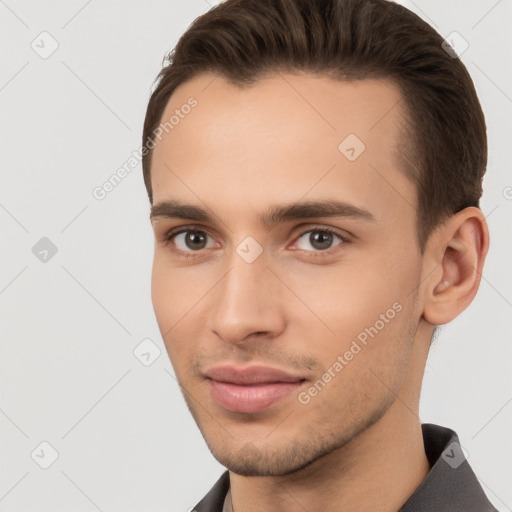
x=283 y=137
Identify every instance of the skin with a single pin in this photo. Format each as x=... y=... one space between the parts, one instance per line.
x=357 y=444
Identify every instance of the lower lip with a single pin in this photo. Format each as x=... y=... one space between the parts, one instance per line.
x=250 y=398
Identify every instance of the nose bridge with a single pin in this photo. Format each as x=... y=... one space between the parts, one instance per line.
x=246 y=300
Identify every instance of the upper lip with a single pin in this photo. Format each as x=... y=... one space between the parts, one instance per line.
x=250 y=375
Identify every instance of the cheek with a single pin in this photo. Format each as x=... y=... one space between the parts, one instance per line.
x=178 y=298
x=169 y=303
x=160 y=297
x=347 y=298
x=362 y=372
x=174 y=291
x=367 y=302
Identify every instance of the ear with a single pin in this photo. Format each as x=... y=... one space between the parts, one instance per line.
x=457 y=253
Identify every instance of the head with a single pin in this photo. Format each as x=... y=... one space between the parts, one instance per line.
x=314 y=174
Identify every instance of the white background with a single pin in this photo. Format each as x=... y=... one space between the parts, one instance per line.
x=125 y=439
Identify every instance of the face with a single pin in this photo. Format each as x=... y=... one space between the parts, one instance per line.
x=299 y=255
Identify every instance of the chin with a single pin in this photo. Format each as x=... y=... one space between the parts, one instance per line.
x=249 y=460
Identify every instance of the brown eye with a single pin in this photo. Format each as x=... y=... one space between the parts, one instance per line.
x=191 y=240
x=318 y=240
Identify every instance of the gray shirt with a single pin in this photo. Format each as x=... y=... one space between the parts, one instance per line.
x=450 y=486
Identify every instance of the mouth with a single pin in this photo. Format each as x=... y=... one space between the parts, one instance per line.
x=251 y=389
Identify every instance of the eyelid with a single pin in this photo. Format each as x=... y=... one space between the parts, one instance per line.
x=180 y=229
x=342 y=233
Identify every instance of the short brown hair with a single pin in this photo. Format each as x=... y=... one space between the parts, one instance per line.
x=245 y=40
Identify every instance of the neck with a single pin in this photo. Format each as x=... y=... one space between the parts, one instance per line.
x=378 y=470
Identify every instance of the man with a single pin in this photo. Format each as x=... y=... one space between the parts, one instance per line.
x=314 y=169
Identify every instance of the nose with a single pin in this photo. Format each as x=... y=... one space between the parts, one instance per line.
x=247 y=302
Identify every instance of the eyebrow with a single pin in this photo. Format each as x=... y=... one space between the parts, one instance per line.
x=275 y=214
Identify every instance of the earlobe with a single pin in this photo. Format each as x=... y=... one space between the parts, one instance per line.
x=459 y=251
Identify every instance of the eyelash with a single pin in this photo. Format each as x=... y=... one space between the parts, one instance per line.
x=169 y=236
